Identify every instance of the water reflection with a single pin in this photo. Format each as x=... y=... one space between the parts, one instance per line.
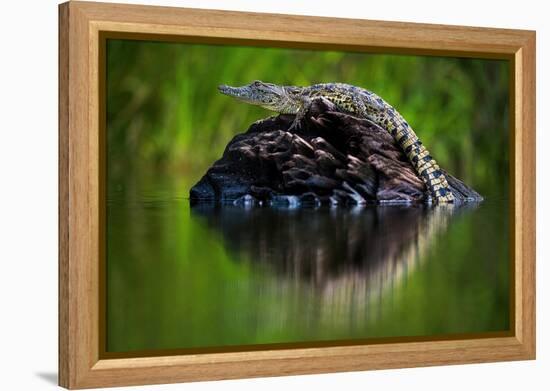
x=207 y=275
x=349 y=256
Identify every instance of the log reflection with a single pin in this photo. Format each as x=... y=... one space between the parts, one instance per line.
x=348 y=257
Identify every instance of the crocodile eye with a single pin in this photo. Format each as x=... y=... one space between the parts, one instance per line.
x=257 y=83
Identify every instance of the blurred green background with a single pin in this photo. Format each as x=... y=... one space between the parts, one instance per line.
x=166 y=114
x=178 y=278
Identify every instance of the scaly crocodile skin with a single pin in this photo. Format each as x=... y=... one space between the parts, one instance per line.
x=356 y=101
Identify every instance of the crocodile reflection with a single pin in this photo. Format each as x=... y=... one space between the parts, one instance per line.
x=340 y=252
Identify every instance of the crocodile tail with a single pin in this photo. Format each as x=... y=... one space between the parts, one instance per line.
x=425 y=165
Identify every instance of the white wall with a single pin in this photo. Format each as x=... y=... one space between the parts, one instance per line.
x=28 y=193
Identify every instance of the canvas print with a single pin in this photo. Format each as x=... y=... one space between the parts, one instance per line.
x=271 y=197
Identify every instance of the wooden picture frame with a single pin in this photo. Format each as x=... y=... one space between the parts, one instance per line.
x=83 y=27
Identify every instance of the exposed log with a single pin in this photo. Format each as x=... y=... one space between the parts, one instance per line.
x=331 y=158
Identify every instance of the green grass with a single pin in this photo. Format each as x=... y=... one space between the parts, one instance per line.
x=164 y=112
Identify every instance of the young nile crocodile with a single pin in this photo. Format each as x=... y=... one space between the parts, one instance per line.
x=356 y=101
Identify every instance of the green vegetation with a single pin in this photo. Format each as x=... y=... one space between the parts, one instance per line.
x=166 y=115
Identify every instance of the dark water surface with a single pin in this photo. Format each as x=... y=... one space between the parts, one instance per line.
x=182 y=276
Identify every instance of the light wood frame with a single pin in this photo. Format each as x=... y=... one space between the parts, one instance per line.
x=80 y=189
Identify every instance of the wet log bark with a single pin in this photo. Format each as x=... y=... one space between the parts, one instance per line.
x=331 y=158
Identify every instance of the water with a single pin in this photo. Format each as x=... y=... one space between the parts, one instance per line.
x=182 y=276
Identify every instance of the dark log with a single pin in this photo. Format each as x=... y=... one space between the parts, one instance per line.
x=331 y=158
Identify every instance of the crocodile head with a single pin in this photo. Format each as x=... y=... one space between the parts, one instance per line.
x=267 y=95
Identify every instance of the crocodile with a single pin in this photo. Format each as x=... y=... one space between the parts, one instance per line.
x=355 y=101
